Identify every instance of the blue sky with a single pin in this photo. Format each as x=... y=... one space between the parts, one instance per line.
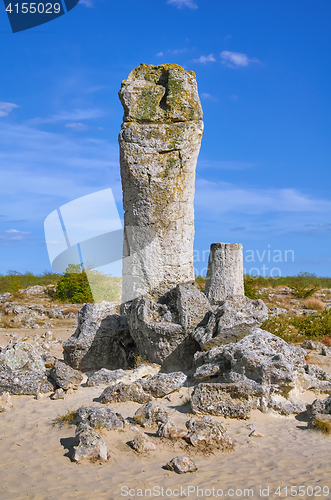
x=263 y=72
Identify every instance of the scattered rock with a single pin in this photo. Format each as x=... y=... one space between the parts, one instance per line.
x=125 y=392
x=58 y=394
x=170 y=431
x=208 y=432
x=89 y=444
x=161 y=384
x=142 y=443
x=5 y=402
x=181 y=465
x=113 y=377
x=64 y=376
x=256 y=434
x=100 y=417
x=150 y=414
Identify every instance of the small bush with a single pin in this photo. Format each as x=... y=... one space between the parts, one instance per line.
x=201 y=282
x=73 y=287
x=315 y=304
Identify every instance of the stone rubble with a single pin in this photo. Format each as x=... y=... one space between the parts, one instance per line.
x=89 y=444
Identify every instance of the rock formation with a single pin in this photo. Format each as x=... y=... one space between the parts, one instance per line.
x=159 y=145
x=225 y=276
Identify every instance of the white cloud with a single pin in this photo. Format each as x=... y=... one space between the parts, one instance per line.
x=236 y=59
x=13 y=235
x=87 y=3
x=205 y=59
x=208 y=97
x=77 y=126
x=6 y=108
x=224 y=197
x=74 y=116
x=183 y=3
x=160 y=54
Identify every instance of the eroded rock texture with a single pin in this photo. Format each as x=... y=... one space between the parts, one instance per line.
x=159 y=145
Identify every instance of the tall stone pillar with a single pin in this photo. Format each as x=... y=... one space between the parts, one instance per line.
x=159 y=146
x=225 y=276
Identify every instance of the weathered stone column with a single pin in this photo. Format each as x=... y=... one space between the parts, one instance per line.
x=225 y=276
x=159 y=146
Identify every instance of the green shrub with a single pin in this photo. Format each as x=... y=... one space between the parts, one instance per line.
x=250 y=287
x=13 y=281
x=73 y=287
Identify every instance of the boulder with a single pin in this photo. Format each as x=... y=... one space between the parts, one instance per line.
x=65 y=377
x=58 y=394
x=101 y=340
x=161 y=384
x=150 y=414
x=22 y=356
x=125 y=392
x=142 y=443
x=99 y=417
x=89 y=444
x=162 y=328
x=231 y=321
x=260 y=357
x=208 y=432
x=226 y=400
x=112 y=377
x=181 y=465
x=24 y=382
x=320 y=418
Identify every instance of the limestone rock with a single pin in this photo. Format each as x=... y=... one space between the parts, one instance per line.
x=89 y=444
x=163 y=383
x=113 y=377
x=226 y=400
x=101 y=340
x=170 y=431
x=24 y=382
x=150 y=414
x=235 y=318
x=225 y=275
x=125 y=392
x=181 y=465
x=5 y=402
x=208 y=432
x=22 y=356
x=316 y=379
x=58 y=394
x=260 y=357
x=159 y=145
x=99 y=417
x=142 y=443
x=320 y=415
x=64 y=376
x=161 y=329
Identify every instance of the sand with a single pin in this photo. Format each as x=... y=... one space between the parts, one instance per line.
x=34 y=462
x=35 y=455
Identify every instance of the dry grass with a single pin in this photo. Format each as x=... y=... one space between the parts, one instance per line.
x=315 y=304
x=323 y=425
x=68 y=418
x=70 y=309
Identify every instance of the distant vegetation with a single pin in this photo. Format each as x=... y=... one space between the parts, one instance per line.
x=13 y=281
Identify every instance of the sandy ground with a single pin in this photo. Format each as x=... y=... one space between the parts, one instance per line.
x=35 y=454
x=34 y=461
